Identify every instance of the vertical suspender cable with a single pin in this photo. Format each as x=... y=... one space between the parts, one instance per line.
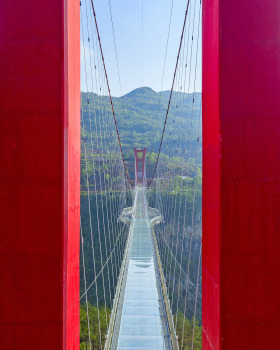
x=174 y=76
x=109 y=91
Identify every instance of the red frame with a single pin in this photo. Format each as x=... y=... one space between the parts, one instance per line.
x=39 y=176
x=241 y=174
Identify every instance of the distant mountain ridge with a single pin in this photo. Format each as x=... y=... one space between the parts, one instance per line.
x=141 y=112
x=137 y=93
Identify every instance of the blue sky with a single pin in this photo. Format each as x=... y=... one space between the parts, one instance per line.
x=127 y=19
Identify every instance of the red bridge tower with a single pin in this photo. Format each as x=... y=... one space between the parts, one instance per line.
x=140 y=166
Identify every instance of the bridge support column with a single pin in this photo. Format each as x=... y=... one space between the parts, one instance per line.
x=241 y=174
x=141 y=161
x=39 y=174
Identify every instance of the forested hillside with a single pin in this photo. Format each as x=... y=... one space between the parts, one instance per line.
x=140 y=117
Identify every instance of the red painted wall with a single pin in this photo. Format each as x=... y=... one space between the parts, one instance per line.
x=39 y=174
x=211 y=213
x=241 y=189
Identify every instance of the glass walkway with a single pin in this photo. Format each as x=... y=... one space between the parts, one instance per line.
x=141 y=321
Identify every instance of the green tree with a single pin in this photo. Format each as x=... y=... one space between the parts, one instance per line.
x=189 y=332
x=98 y=325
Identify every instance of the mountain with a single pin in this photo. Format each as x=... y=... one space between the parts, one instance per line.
x=141 y=113
x=139 y=93
x=140 y=117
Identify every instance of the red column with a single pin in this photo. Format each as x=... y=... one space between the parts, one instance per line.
x=143 y=162
x=136 y=166
x=39 y=174
x=144 y=182
x=241 y=167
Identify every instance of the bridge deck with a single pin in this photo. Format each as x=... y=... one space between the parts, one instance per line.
x=142 y=322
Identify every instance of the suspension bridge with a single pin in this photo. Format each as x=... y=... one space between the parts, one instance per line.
x=141 y=317
x=101 y=234
x=152 y=300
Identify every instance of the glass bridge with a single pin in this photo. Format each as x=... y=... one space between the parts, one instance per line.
x=141 y=312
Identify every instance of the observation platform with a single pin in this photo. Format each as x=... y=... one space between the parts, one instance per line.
x=140 y=320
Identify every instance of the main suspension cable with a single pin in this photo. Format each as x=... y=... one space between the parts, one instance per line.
x=171 y=91
x=111 y=100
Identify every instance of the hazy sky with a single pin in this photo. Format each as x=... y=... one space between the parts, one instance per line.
x=127 y=19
